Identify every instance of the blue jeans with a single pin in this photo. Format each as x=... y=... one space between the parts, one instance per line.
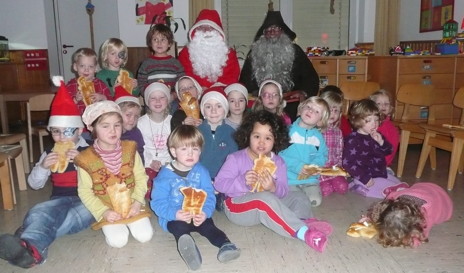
x=54 y=218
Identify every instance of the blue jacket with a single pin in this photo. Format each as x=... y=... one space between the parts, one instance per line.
x=166 y=198
x=307 y=146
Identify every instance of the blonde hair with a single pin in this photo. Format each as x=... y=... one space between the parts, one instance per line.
x=333 y=99
x=322 y=124
x=83 y=52
x=111 y=44
x=379 y=93
x=128 y=105
x=187 y=135
x=359 y=110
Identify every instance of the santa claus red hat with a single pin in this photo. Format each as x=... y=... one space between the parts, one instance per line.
x=64 y=112
x=215 y=93
x=121 y=95
x=209 y=17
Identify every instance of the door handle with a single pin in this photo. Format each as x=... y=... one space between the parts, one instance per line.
x=66 y=46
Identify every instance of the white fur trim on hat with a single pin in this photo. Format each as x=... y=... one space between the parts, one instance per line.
x=197 y=85
x=126 y=99
x=208 y=23
x=214 y=95
x=270 y=81
x=157 y=86
x=239 y=88
x=93 y=111
x=65 y=122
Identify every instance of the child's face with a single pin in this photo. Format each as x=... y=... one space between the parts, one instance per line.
x=261 y=139
x=310 y=115
x=108 y=132
x=214 y=112
x=335 y=112
x=383 y=103
x=130 y=116
x=65 y=134
x=370 y=125
x=187 y=85
x=237 y=103
x=157 y=102
x=86 y=67
x=159 y=44
x=185 y=156
x=115 y=58
x=271 y=97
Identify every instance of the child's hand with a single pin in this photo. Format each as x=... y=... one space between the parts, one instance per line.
x=49 y=160
x=267 y=181
x=199 y=219
x=377 y=137
x=251 y=177
x=78 y=97
x=135 y=209
x=370 y=183
x=155 y=165
x=111 y=216
x=185 y=216
x=192 y=121
x=96 y=97
x=71 y=154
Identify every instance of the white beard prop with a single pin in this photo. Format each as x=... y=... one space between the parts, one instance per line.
x=208 y=54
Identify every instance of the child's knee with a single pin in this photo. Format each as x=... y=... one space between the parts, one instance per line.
x=144 y=236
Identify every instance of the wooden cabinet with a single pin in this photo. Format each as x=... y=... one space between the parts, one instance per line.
x=335 y=70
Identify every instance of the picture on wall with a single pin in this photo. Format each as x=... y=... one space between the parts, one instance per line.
x=434 y=13
x=152 y=11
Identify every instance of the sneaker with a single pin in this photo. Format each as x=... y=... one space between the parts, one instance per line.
x=316 y=239
x=397 y=187
x=359 y=189
x=228 y=252
x=323 y=226
x=18 y=252
x=189 y=252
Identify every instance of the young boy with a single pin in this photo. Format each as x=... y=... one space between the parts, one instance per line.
x=185 y=144
x=64 y=213
x=85 y=65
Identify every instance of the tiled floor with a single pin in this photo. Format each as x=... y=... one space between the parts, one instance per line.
x=263 y=250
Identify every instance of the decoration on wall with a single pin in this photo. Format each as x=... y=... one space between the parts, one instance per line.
x=147 y=10
x=434 y=13
x=90 y=8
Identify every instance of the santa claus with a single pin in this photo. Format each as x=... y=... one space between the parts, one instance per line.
x=207 y=58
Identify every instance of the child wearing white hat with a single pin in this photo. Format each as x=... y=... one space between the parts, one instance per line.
x=237 y=96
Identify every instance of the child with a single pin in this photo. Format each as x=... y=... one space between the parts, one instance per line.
x=334 y=140
x=364 y=153
x=64 y=213
x=185 y=144
x=113 y=57
x=383 y=100
x=406 y=217
x=112 y=180
x=270 y=99
x=160 y=66
x=307 y=146
x=186 y=84
x=278 y=209
x=237 y=96
x=85 y=65
x=345 y=125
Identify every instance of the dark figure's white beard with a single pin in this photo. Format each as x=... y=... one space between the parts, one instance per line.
x=273 y=59
x=208 y=54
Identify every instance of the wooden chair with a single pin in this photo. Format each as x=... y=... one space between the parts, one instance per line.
x=354 y=91
x=9 y=139
x=411 y=132
x=5 y=182
x=446 y=137
x=37 y=103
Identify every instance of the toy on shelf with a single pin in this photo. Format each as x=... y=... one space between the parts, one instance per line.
x=398 y=50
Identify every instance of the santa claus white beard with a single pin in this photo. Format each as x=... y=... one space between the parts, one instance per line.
x=273 y=59
x=208 y=54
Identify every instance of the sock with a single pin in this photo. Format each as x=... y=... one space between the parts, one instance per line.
x=300 y=234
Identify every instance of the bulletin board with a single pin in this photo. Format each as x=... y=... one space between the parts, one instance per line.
x=434 y=13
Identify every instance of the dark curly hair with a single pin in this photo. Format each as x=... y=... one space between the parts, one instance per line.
x=398 y=222
x=279 y=130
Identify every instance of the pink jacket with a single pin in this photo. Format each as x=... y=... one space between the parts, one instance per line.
x=391 y=134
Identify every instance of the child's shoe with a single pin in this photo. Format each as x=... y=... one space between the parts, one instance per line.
x=397 y=187
x=189 y=252
x=315 y=195
x=359 y=189
x=323 y=226
x=228 y=252
x=339 y=184
x=316 y=239
x=326 y=188
x=18 y=252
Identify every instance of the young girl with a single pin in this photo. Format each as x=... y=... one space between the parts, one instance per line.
x=344 y=125
x=237 y=96
x=364 y=153
x=113 y=57
x=275 y=207
x=307 y=146
x=383 y=100
x=155 y=126
x=185 y=144
x=112 y=180
x=334 y=140
x=186 y=84
x=270 y=99
x=406 y=217
x=160 y=66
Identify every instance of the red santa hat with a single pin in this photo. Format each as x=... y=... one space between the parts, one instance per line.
x=215 y=93
x=209 y=17
x=121 y=95
x=64 y=112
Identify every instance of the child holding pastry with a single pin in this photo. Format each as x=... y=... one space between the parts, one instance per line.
x=64 y=213
x=260 y=137
x=188 y=90
x=270 y=99
x=237 y=96
x=307 y=147
x=112 y=179
x=364 y=153
x=113 y=58
x=86 y=89
x=174 y=206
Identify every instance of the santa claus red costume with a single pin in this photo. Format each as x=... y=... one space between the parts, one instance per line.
x=207 y=58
